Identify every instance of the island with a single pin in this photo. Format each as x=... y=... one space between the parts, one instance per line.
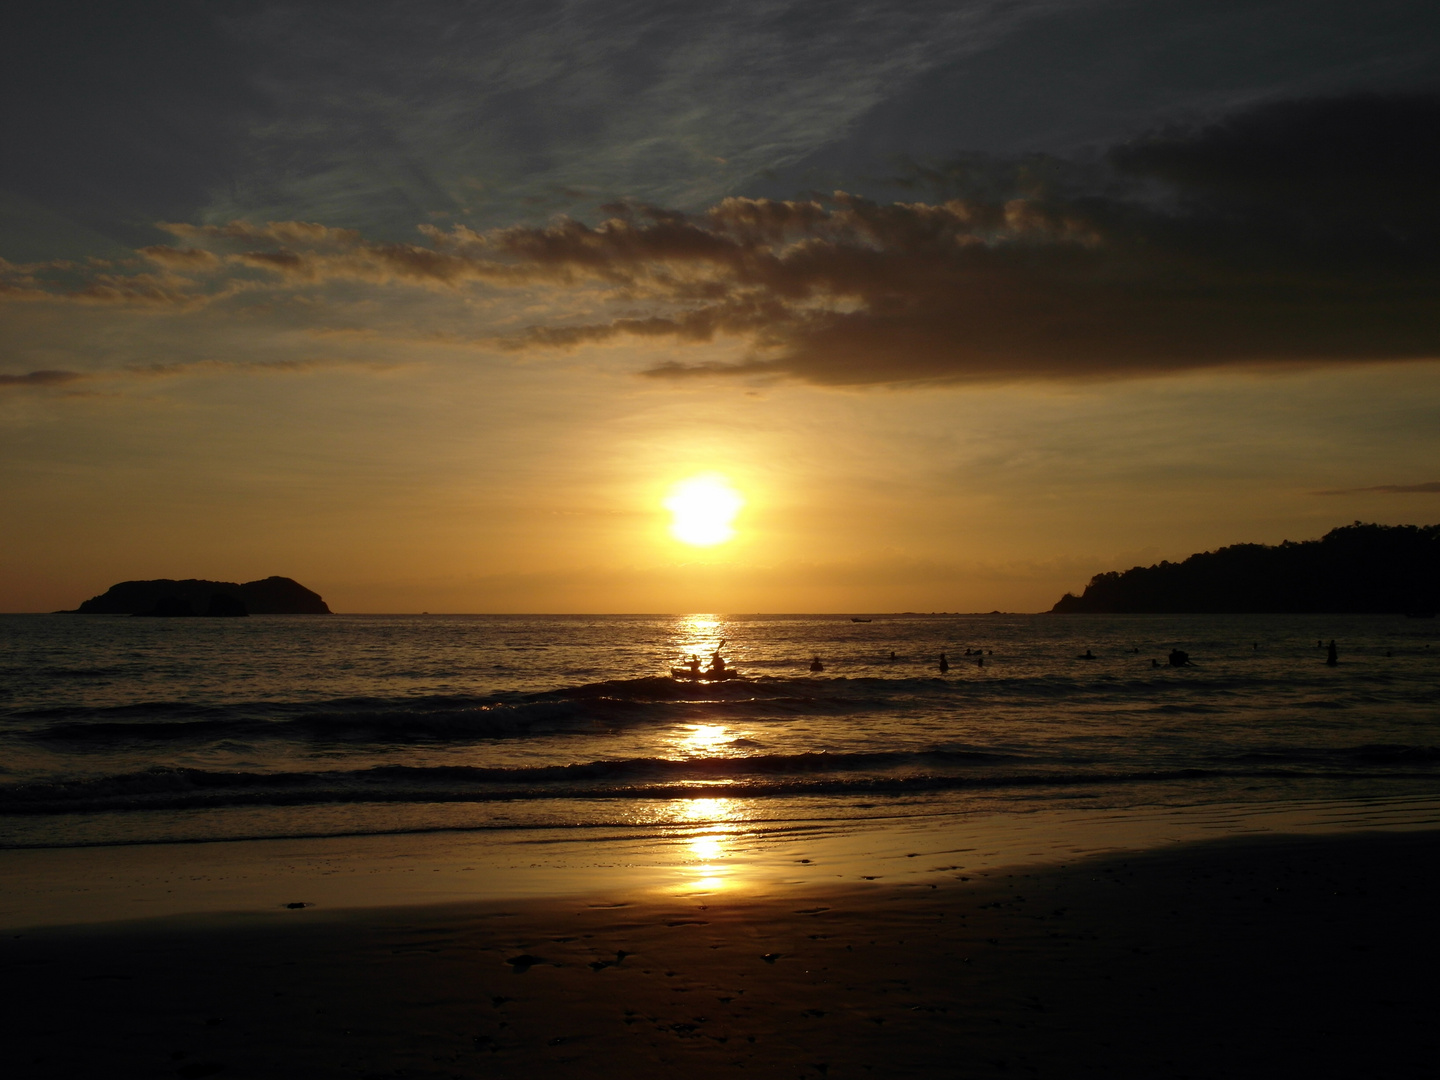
x=1356 y=569
x=193 y=597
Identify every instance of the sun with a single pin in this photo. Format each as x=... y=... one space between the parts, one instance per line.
x=704 y=509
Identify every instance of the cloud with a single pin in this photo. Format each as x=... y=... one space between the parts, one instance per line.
x=1288 y=233
x=142 y=372
x=41 y=378
x=181 y=258
x=1431 y=488
x=1292 y=232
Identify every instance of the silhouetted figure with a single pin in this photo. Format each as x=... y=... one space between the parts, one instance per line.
x=1319 y=644
x=944 y=664
x=1087 y=655
x=1256 y=646
x=717 y=664
x=1154 y=662
x=1179 y=658
x=693 y=664
x=980 y=662
x=1331 y=656
x=892 y=657
x=816 y=665
x=967 y=652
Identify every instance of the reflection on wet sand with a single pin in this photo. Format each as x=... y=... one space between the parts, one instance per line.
x=710 y=866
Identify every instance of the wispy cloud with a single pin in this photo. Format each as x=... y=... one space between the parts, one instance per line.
x=40 y=380
x=1430 y=488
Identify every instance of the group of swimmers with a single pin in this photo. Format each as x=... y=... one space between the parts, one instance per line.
x=1177 y=658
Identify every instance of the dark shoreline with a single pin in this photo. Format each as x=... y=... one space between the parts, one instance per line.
x=1274 y=955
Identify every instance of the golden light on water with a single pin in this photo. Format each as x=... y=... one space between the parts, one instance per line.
x=722 y=812
x=697 y=635
x=705 y=740
x=703 y=510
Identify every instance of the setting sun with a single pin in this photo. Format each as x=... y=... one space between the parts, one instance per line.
x=704 y=508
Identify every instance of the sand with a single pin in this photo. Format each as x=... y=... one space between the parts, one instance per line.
x=1252 y=956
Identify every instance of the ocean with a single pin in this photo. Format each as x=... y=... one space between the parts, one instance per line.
x=118 y=730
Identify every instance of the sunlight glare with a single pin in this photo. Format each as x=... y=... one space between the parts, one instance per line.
x=704 y=509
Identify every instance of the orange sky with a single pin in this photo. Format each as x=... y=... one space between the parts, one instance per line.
x=438 y=325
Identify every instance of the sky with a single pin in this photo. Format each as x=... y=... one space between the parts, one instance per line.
x=432 y=305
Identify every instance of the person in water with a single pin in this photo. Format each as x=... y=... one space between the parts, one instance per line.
x=944 y=664
x=1331 y=656
x=816 y=665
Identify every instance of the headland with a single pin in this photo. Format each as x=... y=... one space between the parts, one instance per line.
x=1357 y=569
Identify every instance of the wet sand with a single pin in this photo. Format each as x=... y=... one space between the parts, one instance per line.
x=1269 y=956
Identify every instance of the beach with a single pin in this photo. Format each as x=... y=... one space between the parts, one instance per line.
x=1269 y=955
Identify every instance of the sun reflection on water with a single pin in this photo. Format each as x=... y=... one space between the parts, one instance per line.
x=705 y=740
x=698 y=635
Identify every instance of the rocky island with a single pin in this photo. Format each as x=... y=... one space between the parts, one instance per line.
x=1355 y=569
x=194 y=597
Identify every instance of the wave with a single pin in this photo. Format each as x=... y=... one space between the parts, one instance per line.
x=598 y=706
x=815 y=773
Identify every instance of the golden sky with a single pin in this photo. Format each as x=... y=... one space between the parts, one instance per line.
x=440 y=322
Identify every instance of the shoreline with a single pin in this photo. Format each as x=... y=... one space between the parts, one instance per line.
x=1240 y=956
x=715 y=854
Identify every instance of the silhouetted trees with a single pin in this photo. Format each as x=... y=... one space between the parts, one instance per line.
x=1355 y=568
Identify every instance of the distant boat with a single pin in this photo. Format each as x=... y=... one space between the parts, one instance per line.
x=854 y=619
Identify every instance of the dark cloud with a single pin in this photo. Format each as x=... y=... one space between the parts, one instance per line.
x=41 y=378
x=1088 y=72
x=1292 y=232
x=145 y=372
x=1431 y=488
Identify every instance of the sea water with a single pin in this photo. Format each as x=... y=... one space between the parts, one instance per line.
x=118 y=730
